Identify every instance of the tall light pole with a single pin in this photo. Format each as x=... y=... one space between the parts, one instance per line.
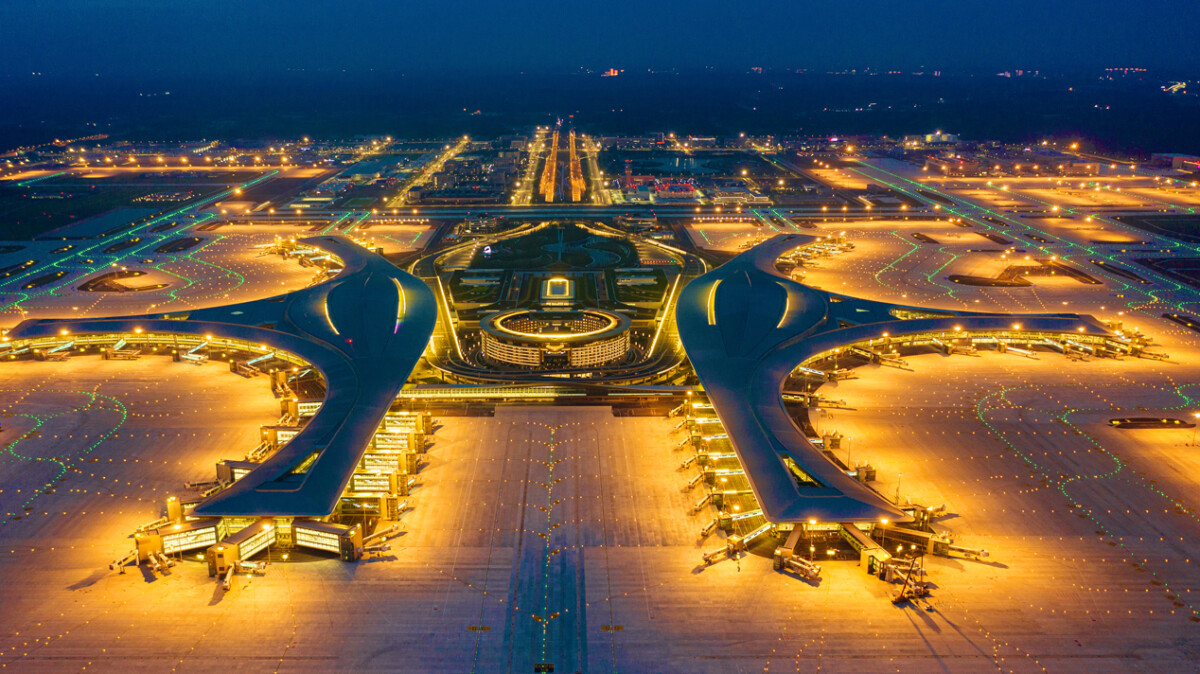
x=812 y=549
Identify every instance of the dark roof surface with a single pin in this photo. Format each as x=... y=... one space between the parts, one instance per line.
x=362 y=330
x=745 y=328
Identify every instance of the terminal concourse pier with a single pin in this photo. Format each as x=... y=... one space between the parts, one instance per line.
x=357 y=334
x=747 y=328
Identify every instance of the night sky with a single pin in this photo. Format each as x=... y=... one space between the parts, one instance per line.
x=220 y=37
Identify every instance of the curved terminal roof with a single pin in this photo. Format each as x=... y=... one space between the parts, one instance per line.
x=363 y=330
x=746 y=327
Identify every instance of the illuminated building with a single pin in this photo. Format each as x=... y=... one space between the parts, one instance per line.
x=555 y=339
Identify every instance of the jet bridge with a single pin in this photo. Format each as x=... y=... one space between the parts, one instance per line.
x=241 y=546
x=57 y=352
x=870 y=553
x=952 y=349
x=179 y=537
x=340 y=539
x=119 y=352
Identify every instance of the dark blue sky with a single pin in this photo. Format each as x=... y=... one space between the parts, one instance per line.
x=262 y=36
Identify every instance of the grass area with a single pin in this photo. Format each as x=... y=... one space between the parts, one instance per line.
x=642 y=292
x=275 y=190
x=359 y=202
x=1182 y=269
x=179 y=245
x=1177 y=226
x=156 y=180
x=560 y=247
x=668 y=163
x=30 y=211
x=465 y=291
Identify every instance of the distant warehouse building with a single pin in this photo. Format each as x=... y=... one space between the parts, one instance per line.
x=371 y=169
x=1178 y=162
x=954 y=165
x=738 y=197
